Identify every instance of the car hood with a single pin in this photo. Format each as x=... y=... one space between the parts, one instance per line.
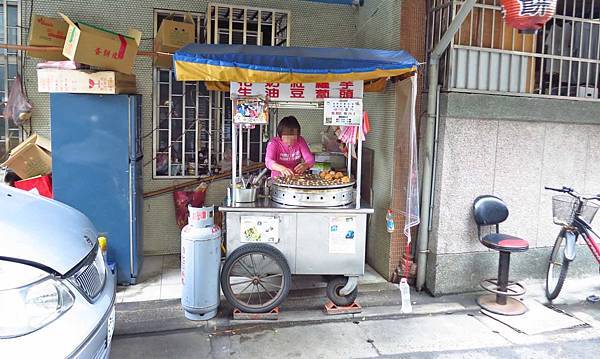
x=43 y=231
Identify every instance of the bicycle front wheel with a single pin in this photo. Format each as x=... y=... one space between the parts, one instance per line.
x=558 y=266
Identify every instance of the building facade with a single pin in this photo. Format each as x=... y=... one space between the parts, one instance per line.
x=516 y=113
x=376 y=24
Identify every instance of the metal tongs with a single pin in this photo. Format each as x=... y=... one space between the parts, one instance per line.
x=252 y=179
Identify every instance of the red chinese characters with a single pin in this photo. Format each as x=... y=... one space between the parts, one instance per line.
x=272 y=89
x=107 y=53
x=297 y=90
x=346 y=89
x=322 y=90
x=245 y=89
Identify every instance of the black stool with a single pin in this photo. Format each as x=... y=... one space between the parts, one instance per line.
x=490 y=211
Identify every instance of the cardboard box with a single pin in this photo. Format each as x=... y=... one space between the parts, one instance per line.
x=47 y=31
x=42 y=185
x=31 y=158
x=94 y=46
x=85 y=81
x=171 y=36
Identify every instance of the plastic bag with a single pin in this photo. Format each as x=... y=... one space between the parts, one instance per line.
x=225 y=163
x=18 y=108
x=330 y=140
x=61 y=65
x=184 y=198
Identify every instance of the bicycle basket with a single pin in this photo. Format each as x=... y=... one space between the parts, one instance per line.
x=564 y=208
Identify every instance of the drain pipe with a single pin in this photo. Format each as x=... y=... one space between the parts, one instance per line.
x=426 y=185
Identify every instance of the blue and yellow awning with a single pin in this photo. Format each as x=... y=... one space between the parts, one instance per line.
x=249 y=63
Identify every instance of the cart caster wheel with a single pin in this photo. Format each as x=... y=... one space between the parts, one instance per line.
x=333 y=292
x=256 y=278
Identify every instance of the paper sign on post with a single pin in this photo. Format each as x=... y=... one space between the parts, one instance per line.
x=343 y=112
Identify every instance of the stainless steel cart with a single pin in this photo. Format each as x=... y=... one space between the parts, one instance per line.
x=305 y=243
x=307 y=230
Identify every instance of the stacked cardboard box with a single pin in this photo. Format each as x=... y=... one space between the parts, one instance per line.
x=85 y=81
x=86 y=44
x=170 y=37
x=33 y=157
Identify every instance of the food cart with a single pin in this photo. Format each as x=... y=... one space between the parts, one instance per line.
x=312 y=224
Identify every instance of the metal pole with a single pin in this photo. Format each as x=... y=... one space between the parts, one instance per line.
x=248 y=147
x=433 y=73
x=349 y=147
x=241 y=148
x=233 y=160
x=359 y=166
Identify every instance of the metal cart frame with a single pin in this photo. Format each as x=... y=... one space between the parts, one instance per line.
x=305 y=240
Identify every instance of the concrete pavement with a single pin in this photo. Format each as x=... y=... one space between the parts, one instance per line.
x=446 y=327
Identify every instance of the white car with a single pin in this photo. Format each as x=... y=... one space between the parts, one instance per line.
x=57 y=296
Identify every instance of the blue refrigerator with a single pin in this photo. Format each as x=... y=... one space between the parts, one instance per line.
x=97 y=169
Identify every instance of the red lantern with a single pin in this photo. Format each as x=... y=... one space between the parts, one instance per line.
x=528 y=16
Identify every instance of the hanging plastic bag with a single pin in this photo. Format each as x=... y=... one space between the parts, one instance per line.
x=329 y=140
x=184 y=198
x=18 y=108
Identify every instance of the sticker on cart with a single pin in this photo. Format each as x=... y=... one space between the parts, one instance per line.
x=342 y=233
x=259 y=229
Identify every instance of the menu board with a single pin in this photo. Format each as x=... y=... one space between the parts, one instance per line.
x=342 y=112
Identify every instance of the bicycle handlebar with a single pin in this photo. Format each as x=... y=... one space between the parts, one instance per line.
x=563 y=189
x=570 y=191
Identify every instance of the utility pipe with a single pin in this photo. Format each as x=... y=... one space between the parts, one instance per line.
x=433 y=74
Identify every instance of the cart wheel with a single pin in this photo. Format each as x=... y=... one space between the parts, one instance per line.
x=256 y=278
x=333 y=292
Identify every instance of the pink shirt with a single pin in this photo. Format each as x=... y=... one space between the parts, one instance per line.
x=287 y=156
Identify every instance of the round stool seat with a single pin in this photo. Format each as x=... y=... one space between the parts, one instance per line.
x=505 y=243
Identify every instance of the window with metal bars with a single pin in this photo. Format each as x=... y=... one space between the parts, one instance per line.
x=192 y=125
x=10 y=33
x=487 y=55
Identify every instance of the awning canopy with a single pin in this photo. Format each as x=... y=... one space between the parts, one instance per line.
x=250 y=63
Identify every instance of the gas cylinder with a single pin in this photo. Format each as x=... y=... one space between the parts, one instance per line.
x=200 y=263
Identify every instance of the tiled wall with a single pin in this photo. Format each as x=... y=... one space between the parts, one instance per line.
x=313 y=24
x=379 y=27
x=413 y=22
x=513 y=160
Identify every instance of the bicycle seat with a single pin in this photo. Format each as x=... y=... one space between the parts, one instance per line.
x=505 y=243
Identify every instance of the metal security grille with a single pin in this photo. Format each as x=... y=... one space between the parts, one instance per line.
x=10 y=33
x=182 y=116
x=193 y=125
x=486 y=55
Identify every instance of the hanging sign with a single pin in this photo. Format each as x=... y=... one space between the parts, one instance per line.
x=250 y=110
x=342 y=233
x=298 y=92
x=342 y=112
x=259 y=229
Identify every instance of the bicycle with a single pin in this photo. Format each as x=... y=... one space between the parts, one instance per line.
x=574 y=213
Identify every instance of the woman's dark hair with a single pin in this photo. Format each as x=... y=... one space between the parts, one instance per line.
x=288 y=126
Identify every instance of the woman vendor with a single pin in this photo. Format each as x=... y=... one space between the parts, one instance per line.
x=288 y=153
